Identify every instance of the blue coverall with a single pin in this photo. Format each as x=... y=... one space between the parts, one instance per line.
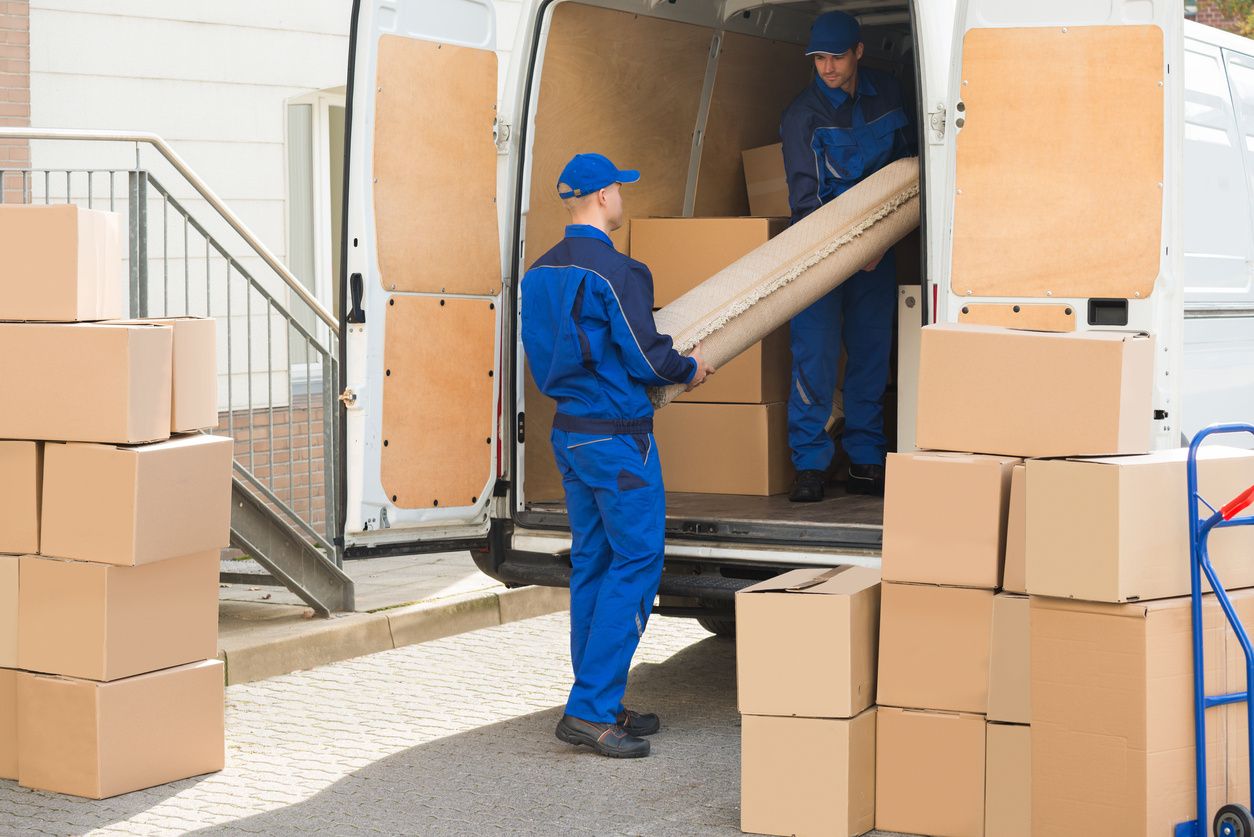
x=592 y=345
x=831 y=142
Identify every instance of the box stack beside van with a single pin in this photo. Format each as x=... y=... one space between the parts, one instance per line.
x=742 y=407
x=113 y=511
x=805 y=662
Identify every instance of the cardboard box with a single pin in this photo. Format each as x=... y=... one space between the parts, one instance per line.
x=934 y=647
x=102 y=739
x=86 y=382
x=766 y=181
x=1087 y=532
x=61 y=264
x=1112 y=714
x=945 y=518
x=194 y=402
x=929 y=773
x=135 y=505
x=8 y=723
x=806 y=643
x=21 y=475
x=724 y=448
x=1028 y=393
x=681 y=253
x=759 y=375
x=807 y=775
x=101 y=622
x=1009 y=668
x=9 y=575
x=1014 y=571
x=1008 y=787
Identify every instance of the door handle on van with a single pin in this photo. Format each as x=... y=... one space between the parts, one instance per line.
x=355 y=290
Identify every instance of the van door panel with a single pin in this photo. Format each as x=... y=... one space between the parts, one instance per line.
x=1060 y=162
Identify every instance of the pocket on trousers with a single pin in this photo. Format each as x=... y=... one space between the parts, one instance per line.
x=627 y=481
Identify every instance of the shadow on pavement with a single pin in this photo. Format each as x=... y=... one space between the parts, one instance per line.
x=514 y=777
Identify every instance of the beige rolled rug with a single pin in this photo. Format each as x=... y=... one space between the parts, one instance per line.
x=743 y=303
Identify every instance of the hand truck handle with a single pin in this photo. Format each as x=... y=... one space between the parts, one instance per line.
x=1238 y=504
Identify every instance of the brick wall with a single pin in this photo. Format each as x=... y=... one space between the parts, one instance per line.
x=1208 y=14
x=14 y=89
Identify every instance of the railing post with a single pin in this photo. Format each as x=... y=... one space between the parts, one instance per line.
x=138 y=212
x=330 y=437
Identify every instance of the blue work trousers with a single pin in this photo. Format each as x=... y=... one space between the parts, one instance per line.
x=860 y=311
x=617 y=509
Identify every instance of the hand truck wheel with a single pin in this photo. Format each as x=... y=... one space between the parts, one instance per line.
x=1234 y=821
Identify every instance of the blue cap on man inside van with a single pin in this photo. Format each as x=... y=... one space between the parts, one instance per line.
x=834 y=33
x=586 y=173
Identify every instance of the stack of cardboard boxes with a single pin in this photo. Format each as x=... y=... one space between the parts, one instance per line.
x=112 y=514
x=743 y=406
x=805 y=661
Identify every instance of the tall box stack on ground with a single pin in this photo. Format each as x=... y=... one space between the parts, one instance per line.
x=743 y=406
x=805 y=661
x=113 y=512
x=1112 y=656
x=948 y=658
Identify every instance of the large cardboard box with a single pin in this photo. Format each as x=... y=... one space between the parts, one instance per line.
x=135 y=505
x=806 y=643
x=1009 y=668
x=9 y=574
x=1008 y=787
x=766 y=181
x=759 y=375
x=1014 y=572
x=1112 y=714
x=929 y=772
x=681 y=253
x=1088 y=532
x=945 y=518
x=102 y=739
x=21 y=472
x=1028 y=393
x=724 y=448
x=807 y=775
x=102 y=622
x=934 y=647
x=8 y=723
x=61 y=264
x=86 y=382
x=194 y=404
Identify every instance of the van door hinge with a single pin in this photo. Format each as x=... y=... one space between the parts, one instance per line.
x=936 y=123
x=500 y=135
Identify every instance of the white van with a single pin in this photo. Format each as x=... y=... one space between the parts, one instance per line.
x=1079 y=198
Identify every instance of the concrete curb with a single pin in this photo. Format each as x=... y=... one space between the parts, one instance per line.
x=268 y=646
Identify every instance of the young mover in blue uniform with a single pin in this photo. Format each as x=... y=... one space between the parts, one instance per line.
x=593 y=347
x=846 y=125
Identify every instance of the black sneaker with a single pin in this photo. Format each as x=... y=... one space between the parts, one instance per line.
x=607 y=739
x=639 y=724
x=866 y=479
x=808 y=487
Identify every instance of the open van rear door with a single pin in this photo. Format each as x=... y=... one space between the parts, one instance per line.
x=1062 y=186
x=423 y=267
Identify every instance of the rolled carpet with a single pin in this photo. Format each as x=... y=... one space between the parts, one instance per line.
x=747 y=300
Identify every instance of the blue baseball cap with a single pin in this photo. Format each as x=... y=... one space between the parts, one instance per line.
x=586 y=173
x=834 y=33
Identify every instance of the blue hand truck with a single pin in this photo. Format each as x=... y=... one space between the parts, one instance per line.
x=1233 y=819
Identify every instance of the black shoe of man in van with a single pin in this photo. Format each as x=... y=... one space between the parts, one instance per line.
x=639 y=724
x=808 y=487
x=607 y=739
x=866 y=479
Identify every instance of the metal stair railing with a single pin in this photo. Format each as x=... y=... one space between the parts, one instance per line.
x=281 y=359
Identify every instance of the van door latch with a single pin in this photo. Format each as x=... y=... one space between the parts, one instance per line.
x=936 y=121
x=500 y=135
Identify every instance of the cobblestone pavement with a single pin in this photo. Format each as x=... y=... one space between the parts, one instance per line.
x=449 y=737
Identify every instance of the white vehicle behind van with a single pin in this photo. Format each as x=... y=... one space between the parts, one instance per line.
x=1083 y=164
